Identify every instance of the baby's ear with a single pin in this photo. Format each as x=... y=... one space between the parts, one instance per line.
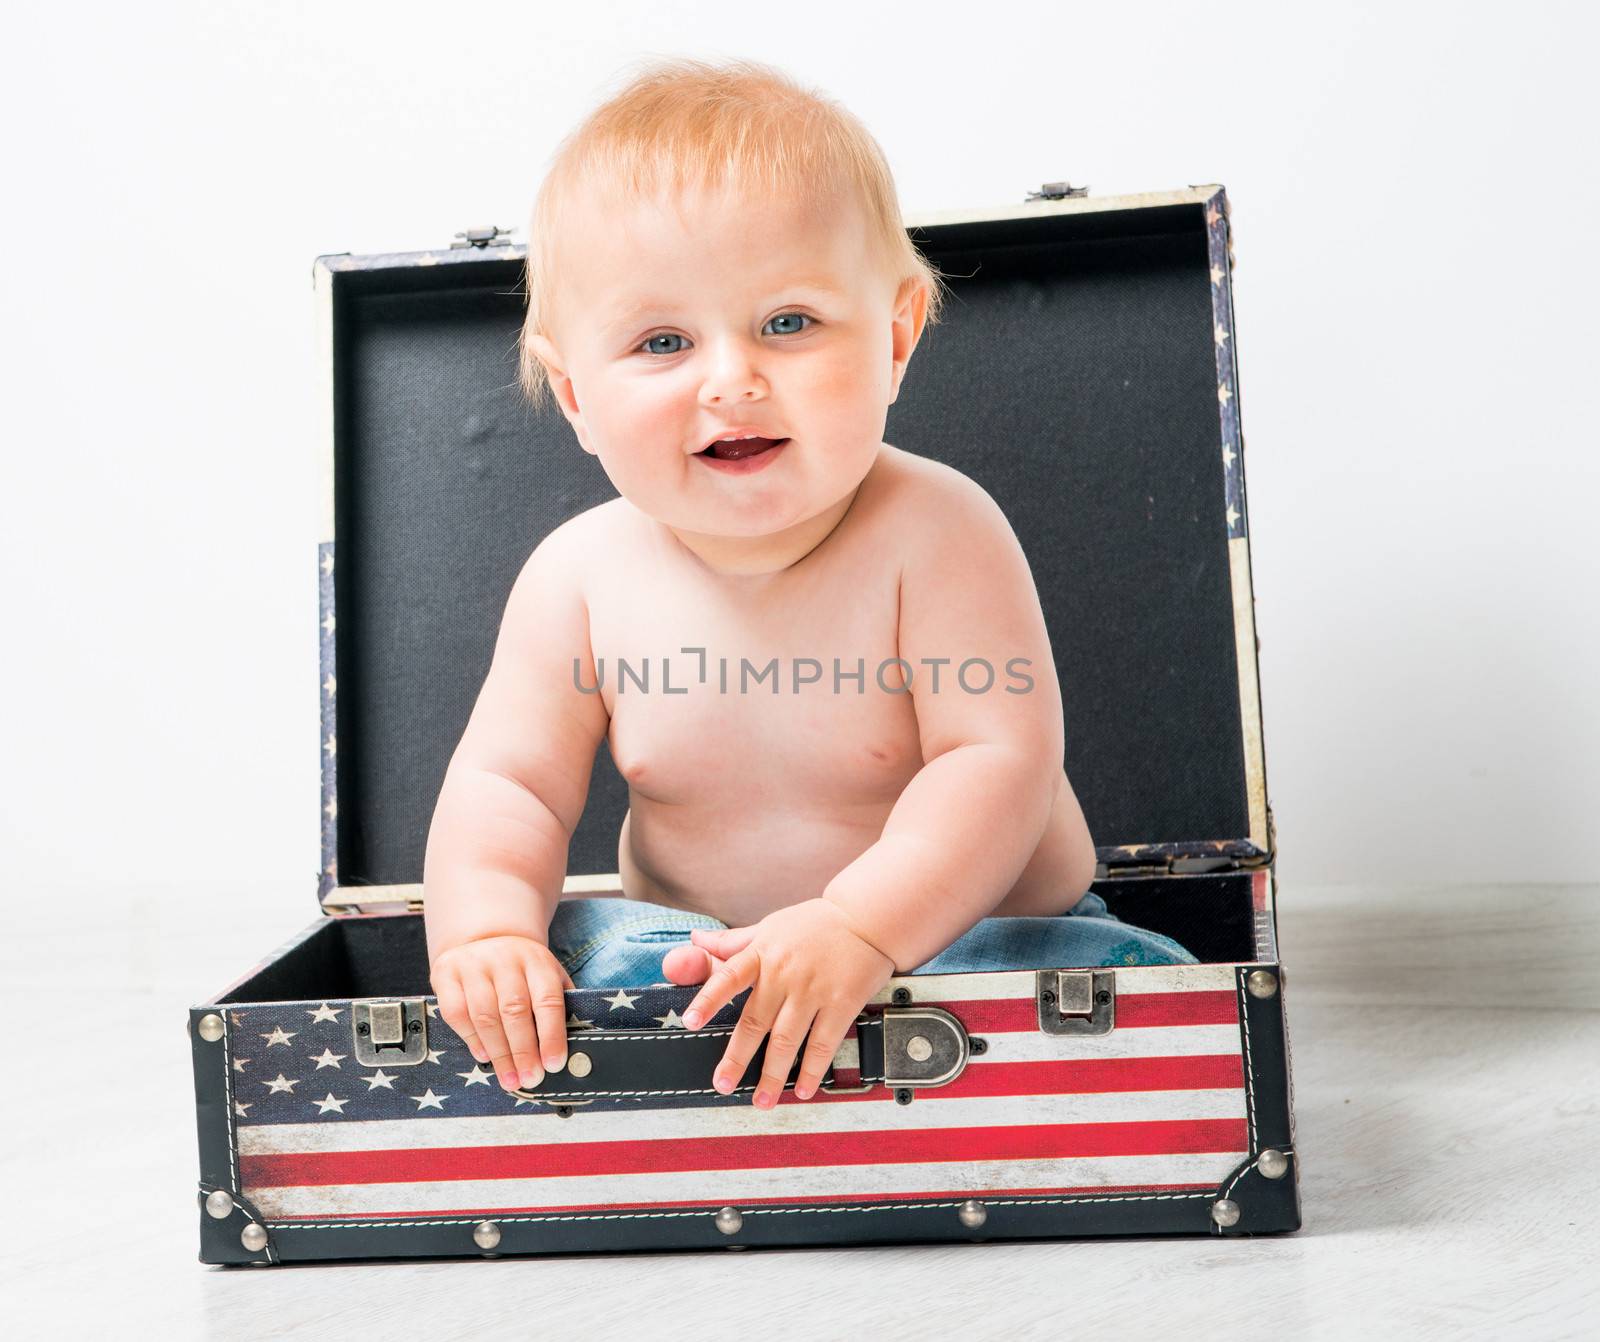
x=910 y=315
x=540 y=348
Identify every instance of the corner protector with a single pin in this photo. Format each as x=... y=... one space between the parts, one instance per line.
x=1266 y=1206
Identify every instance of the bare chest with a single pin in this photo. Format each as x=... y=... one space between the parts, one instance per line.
x=787 y=701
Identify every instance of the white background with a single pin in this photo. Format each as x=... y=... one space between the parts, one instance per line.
x=1414 y=206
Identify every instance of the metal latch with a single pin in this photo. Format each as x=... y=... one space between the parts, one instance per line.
x=1076 y=1001
x=922 y=1046
x=487 y=236
x=393 y=1034
x=1058 y=191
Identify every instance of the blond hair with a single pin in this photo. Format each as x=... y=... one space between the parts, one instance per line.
x=690 y=124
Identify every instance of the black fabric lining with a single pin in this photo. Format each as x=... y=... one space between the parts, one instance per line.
x=1073 y=377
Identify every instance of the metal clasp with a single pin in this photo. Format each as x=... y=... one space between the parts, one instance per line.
x=489 y=235
x=1058 y=191
x=922 y=1046
x=1076 y=1001
x=390 y=1033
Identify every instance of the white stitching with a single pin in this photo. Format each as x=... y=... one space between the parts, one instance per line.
x=645 y=920
x=557 y=1096
x=1249 y=1063
x=233 y=1117
x=1287 y=1150
x=745 y=1211
x=656 y=1036
x=227 y=1091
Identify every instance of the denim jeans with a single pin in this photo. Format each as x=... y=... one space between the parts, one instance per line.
x=608 y=942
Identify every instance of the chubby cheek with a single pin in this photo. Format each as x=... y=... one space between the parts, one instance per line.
x=841 y=399
x=640 y=432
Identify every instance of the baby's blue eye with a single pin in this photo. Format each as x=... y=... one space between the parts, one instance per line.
x=789 y=317
x=792 y=326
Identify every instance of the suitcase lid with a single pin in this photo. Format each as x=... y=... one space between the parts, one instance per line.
x=1098 y=332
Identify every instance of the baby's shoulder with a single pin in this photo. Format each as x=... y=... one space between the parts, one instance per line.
x=929 y=500
x=571 y=543
x=557 y=573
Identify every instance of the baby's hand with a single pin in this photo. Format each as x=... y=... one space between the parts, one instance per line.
x=808 y=972
x=504 y=996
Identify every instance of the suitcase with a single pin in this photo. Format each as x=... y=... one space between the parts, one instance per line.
x=1084 y=374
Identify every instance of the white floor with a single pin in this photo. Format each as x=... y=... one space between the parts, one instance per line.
x=1447 y=1083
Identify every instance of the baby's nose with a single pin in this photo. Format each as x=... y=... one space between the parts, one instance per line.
x=732 y=377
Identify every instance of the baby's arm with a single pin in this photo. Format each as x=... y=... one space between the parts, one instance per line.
x=512 y=796
x=966 y=825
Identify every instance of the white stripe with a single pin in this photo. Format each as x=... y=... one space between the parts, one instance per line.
x=1167 y=1041
x=743 y=1120
x=486 y=1196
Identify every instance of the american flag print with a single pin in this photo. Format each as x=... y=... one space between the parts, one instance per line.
x=1158 y=1106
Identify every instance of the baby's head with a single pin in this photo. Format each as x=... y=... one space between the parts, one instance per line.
x=716 y=248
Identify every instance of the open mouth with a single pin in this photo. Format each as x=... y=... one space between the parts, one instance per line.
x=740 y=448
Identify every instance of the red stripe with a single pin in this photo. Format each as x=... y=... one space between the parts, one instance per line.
x=1140 y=1010
x=1093 y=1076
x=1090 y=1076
x=782 y=1150
x=1134 y=1011
x=810 y=1199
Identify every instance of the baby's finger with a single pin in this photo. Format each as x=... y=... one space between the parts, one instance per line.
x=760 y=1010
x=724 y=941
x=827 y=1033
x=483 y=1009
x=550 y=1014
x=724 y=983
x=783 y=1044
x=516 y=1019
x=453 y=1007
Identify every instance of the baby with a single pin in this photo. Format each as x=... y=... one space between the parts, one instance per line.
x=723 y=301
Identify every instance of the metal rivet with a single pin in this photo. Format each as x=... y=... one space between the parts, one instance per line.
x=918 y=1049
x=210 y=1027
x=486 y=1234
x=219 y=1204
x=1273 y=1164
x=253 y=1237
x=579 y=1064
x=1261 y=983
x=972 y=1213
x=901 y=996
x=1225 y=1212
x=729 y=1221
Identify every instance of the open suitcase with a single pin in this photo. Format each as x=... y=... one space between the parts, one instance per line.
x=1085 y=376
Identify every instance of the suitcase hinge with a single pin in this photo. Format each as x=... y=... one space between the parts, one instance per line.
x=1058 y=191
x=487 y=236
x=1181 y=866
x=390 y=1033
x=1076 y=1001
